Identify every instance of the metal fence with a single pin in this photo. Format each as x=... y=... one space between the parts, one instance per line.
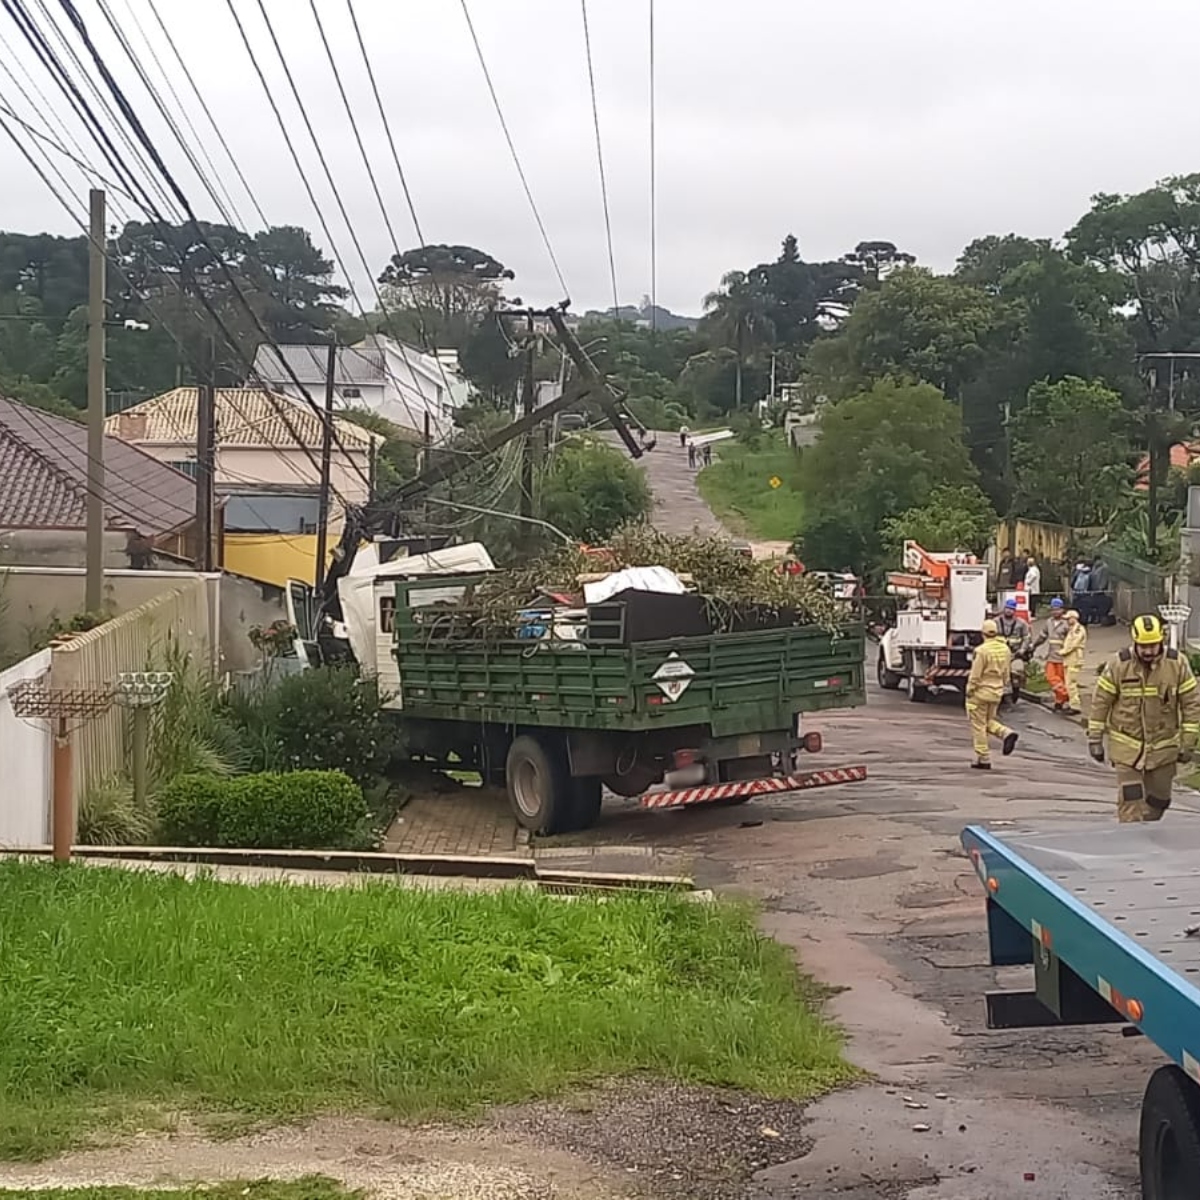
x=1137 y=586
x=91 y=661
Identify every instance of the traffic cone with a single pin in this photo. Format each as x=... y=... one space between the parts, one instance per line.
x=1022 y=601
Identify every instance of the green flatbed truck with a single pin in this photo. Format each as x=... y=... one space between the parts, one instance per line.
x=578 y=701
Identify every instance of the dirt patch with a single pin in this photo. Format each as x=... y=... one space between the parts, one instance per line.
x=703 y=1143
x=388 y=1161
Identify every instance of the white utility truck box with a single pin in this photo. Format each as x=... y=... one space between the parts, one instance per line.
x=968 y=598
x=921 y=629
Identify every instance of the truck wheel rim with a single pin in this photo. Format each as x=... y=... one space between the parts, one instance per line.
x=527 y=789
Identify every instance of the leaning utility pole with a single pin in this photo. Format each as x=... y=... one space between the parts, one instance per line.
x=94 y=590
x=326 y=453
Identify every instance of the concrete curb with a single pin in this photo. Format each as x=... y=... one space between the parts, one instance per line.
x=352 y=862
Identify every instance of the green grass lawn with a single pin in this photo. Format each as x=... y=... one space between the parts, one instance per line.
x=737 y=488
x=311 y=1187
x=129 y=994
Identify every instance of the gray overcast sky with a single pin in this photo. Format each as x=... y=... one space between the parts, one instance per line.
x=925 y=122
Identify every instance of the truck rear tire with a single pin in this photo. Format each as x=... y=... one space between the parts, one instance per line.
x=539 y=785
x=1169 y=1139
x=918 y=693
x=888 y=679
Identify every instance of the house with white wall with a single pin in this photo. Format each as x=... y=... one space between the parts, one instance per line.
x=407 y=386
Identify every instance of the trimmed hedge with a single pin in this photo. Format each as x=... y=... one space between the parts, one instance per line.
x=299 y=810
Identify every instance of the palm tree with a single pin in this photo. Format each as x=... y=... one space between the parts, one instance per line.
x=735 y=316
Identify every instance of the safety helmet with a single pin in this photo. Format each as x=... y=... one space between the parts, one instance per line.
x=1056 y=603
x=1147 y=630
x=988 y=628
x=1010 y=605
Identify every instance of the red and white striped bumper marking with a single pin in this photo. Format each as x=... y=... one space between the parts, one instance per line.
x=753 y=787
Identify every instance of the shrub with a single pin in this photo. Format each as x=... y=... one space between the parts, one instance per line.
x=108 y=815
x=299 y=810
x=325 y=719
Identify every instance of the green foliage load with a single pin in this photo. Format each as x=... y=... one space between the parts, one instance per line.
x=323 y=719
x=733 y=584
x=298 y=810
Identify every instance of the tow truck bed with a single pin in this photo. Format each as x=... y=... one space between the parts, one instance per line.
x=1109 y=917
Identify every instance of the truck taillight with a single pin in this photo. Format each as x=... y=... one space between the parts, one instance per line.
x=812 y=742
x=655 y=699
x=684 y=758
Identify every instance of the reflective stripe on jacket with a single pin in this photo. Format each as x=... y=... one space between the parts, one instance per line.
x=989 y=678
x=1074 y=645
x=1148 y=711
x=1015 y=632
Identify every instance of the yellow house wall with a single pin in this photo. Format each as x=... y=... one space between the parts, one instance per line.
x=273 y=557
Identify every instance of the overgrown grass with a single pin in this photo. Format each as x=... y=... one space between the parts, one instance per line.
x=308 y=1187
x=737 y=487
x=125 y=994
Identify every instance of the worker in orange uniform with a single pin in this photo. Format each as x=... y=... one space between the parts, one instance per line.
x=991 y=669
x=1073 y=647
x=1147 y=705
x=1053 y=633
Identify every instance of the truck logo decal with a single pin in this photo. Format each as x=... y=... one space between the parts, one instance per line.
x=673 y=677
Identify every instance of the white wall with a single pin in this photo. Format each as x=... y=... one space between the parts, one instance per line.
x=25 y=747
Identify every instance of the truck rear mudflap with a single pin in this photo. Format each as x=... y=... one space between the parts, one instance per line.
x=746 y=789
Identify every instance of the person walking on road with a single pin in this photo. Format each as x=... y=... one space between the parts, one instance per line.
x=1073 y=648
x=1053 y=634
x=706 y=455
x=683 y=435
x=1147 y=706
x=986 y=685
x=1016 y=635
x=1033 y=583
x=691 y=454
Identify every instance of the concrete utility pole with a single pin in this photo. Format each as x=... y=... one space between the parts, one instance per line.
x=94 y=591
x=206 y=453
x=528 y=395
x=326 y=453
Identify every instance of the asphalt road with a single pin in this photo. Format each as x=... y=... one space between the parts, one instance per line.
x=868 y=883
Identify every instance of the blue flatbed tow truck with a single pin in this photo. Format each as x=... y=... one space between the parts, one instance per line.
x=1109 y=917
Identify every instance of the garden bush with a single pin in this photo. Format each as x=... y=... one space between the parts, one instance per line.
x=324 y=719
x=299 y=810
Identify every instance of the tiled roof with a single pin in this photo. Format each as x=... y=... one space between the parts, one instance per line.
x=43 y=478
x=245 y=417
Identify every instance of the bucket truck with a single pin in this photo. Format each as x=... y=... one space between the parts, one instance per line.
x=943 y=604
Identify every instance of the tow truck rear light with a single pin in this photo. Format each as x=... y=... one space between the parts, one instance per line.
x=684 y=758
x=812 y=742
x=655 y=699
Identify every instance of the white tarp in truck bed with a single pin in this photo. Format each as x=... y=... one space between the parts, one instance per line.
x=358 y=594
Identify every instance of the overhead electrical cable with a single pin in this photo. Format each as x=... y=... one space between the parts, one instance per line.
x=417 y=418
x=231 y=281
x=428 y=345
x=653 y=186
x=608 y=233
x=512 y=149
x=208 y=113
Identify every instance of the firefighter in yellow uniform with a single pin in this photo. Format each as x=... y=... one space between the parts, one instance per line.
x=990 y=676
x=1148 y=707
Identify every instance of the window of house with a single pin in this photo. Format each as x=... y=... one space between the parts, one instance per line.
x=351 y=393
x=188 y=466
